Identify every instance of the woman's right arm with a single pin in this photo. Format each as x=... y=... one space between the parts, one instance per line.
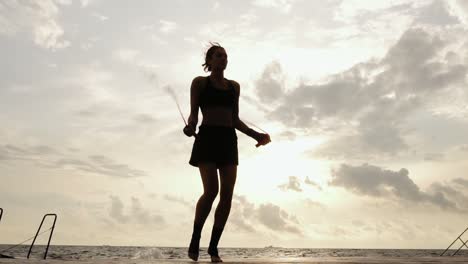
x=194 y=102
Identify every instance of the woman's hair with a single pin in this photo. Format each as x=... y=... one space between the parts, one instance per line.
x=211 y=50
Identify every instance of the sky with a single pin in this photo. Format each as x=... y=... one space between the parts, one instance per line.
x=365 y=102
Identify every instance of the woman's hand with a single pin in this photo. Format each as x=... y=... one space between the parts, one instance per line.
x=263 y=139
x=189 y=131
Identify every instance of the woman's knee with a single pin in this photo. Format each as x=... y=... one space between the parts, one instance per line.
x=210 y=194
x=225 y=199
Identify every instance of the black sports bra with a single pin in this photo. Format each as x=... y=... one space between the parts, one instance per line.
x=211 y=96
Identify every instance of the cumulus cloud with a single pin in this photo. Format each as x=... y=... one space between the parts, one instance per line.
x=461 y=181
x=436 y=13
x=293 y=184
x=449 y=194
x=366 y=108
x=270 y=85
x=136 y=213
x=369 y=180
x=374 y=181
x=116 y=210
x=246 y=215
x=460 y=8
x=275 y=218
x=312 y=183
x=242 y=213
x=40 y=18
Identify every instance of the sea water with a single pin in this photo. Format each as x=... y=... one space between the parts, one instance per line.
x=170 y=253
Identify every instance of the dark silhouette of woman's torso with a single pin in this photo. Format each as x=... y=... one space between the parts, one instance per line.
x=217 y=102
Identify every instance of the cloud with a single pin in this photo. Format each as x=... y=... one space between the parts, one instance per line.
x=281 y=5
x=273 y=217
x=447 y=195
x=85 y=3
x=101 y=165
x=30 y=153
x=51 y=158
x=366 y=108
x=48 y=201
x=144 y=118
x=434 y=157
x=312 y=183
x=116 y=210
x=40 y=18
x=463 y=148
x=100 y=16
x=136 y=214
x=133 y=58
x=178 y=200
x=167 y=26
x=313 y=204
x=245 y=216
x=293 y=184
x=461 y=181
x=373 y=181
x=460 y=8
x=242 y=213
x=270 y=86
x=436 y=13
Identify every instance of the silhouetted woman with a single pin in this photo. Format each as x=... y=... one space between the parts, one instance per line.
x=215 y=145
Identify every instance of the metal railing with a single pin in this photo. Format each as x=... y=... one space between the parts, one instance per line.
x=50 y=236
x=458 y=238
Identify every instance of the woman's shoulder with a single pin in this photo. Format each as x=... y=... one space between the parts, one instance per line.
x=236 y=86
x=199 y=79
x=199 y=82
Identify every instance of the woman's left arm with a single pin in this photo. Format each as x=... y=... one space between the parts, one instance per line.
x=237 y=123
x=262 y=139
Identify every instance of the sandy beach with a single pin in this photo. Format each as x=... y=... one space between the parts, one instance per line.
x=445 y=260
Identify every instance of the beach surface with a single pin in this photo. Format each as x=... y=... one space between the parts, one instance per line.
x=348 y=260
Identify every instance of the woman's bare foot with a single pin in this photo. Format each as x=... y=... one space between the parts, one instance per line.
x=193 y=256
x=216 y=259
x=194 y=249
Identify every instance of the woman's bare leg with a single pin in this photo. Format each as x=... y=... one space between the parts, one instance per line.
x=228 y=175
x=209 y=177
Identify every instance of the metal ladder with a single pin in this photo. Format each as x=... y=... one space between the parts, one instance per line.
x=1 y=214
x=458 y=238
x=50 y=236
x=37 y=234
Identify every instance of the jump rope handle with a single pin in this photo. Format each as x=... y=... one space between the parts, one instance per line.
x=186 y=132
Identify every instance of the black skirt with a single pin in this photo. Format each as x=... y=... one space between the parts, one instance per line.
x=215 y=144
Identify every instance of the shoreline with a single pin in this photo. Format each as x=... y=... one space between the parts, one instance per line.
x=317 y=260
